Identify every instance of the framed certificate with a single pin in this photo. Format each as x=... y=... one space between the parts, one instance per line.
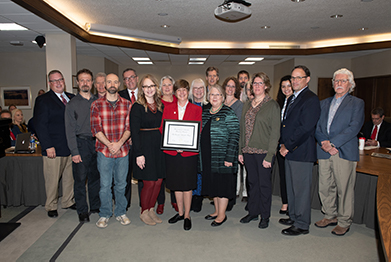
x=181 y=135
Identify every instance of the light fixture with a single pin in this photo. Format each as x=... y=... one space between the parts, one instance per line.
x=363 y=28
x=196 y=63
x=97 y=29
x=336 y=16
x=145 y=63
x=141 y=59
x=256 y=59
x=297 y=1
x=197 y=59
x=246 y=63
x=11 y=27
x=162 y=14
x=165 y=26
x=40 y=41
x=265 y=27
x=16 y=43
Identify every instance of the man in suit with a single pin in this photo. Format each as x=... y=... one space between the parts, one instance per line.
x=130 y=93
x=299 y=149
x=377 y=132
x=50 y=128
x=336 y=133
x=82 y=146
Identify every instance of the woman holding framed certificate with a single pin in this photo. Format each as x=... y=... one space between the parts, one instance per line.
x=181 y=165
x=145 y=118
x=219 y=150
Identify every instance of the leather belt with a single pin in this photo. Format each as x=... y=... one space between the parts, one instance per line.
x=149 y=129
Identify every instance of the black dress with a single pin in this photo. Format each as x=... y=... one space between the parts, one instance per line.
x=214 y=184
x=147 y=143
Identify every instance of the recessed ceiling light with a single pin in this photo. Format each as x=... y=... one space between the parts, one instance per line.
x=265 y=27
x=363 y=28
x=336 y=16
x=11 y=27
x=35 y=42
x=297 y=1
x=366 y=0
x=197 y=59
x=254 y=59
x=165 y=26
x=196 y=63
x=145 y=63
x=315 y=27
x=162 y=14
x=16 y=43
x=246 y=63
x=141 y=58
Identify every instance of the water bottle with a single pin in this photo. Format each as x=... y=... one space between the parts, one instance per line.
x=32 y=143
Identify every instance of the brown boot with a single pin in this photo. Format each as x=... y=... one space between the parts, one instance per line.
x=154 y=217
x=146 y=218
x=326 y=222
x=340 y=231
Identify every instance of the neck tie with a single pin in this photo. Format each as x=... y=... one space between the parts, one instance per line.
x=374 y=133
x=291 y=99
x=64 y=101
x=13 y=138
x=133 y=99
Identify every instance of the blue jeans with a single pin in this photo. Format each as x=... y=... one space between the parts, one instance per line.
x=109 y=168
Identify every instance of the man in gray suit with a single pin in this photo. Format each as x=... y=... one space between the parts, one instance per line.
x=340 y=121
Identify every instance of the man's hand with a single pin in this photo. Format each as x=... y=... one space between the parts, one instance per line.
x=283 y=150
x=333 y=151
x=51 y=152
x=326 y=146
x=114 y=147
x=371 y=142
x=76 y=159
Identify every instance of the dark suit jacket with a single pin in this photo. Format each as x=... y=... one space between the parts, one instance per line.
x=125 y=94
x=50 y=124
x=192 y=113
x=298 y=129
x=346 y=124
x=384 y=135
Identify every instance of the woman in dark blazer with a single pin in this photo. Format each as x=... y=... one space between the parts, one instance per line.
x=259 y=134
x=219 y=150
x=181 y=166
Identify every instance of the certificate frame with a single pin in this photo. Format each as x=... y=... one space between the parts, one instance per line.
x=181 y=135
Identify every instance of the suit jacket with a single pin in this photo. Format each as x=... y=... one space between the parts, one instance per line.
x=49 y=123
x=346 y=124
x=192 y=113
x=298 y=129
x=125 y=94
x=384 y=133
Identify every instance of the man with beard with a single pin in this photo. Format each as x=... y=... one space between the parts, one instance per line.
x=82 y=146
x=340 y=121
x=100 y=84
x=243 y=77
x=49 y=112
x=110 y=125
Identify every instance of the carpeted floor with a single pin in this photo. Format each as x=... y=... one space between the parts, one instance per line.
x=40 y=238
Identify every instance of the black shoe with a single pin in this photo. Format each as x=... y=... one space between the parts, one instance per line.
x=83 y=217
x=175 y=219
x=52 y=213
x=73 y=207
x=248 y=218
x=244 y=199
x=209 y=217
x=264 y=223
x=94 y=210
x=216 y=224
x=286 y=221
x=187 y=224
x=294 y=231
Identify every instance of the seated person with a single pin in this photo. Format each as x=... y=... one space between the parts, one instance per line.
x=5 y=114
x=18 y=122
x=377 y=132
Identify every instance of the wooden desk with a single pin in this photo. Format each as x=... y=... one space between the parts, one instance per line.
x=380 y=167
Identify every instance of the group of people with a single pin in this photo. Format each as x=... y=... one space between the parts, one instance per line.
x=105 y=139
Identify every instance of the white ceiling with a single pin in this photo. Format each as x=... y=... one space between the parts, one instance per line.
x=290 y=24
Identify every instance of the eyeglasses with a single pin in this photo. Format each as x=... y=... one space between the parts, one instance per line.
x=299 y=78
x=130 y=77
x=151 y=86
x=230 y=86
x=56 y=80
x=215 y=95
x=258 y=83
x=342 y=81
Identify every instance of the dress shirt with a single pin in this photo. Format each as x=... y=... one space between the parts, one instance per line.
x=135 y=93
x=181 y=110
x=377 y=133
x=335 y=103
x=64 y=95
x=112 y=121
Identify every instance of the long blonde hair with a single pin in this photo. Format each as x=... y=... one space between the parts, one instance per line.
x=157 y=96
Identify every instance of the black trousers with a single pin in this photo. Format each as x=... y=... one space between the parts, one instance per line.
x=128 y=189
x=281 y=171
x=86 y=171
x=259 y=185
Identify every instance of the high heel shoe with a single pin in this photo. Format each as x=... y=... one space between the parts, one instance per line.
x=160 y=209
x=175 y=206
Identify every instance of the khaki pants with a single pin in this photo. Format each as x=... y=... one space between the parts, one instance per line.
x=337 y=178
x=53 y=170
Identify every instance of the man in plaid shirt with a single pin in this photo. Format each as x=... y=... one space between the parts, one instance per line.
x=110 y=125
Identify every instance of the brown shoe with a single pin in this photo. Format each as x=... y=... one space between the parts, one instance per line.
x=340 y=231
x=154 y=217
x=146 y=218
x=326 y=222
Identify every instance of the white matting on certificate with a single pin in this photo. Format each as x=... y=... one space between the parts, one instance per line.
x=180 y=135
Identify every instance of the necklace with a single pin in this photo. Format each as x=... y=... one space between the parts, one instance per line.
x=214 y=112
x=230 y=102
x=152 y=107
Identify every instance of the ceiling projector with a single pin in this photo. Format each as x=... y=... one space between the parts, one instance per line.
x=233 y=10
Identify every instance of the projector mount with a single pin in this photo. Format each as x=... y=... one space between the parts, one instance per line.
x=226 y=2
